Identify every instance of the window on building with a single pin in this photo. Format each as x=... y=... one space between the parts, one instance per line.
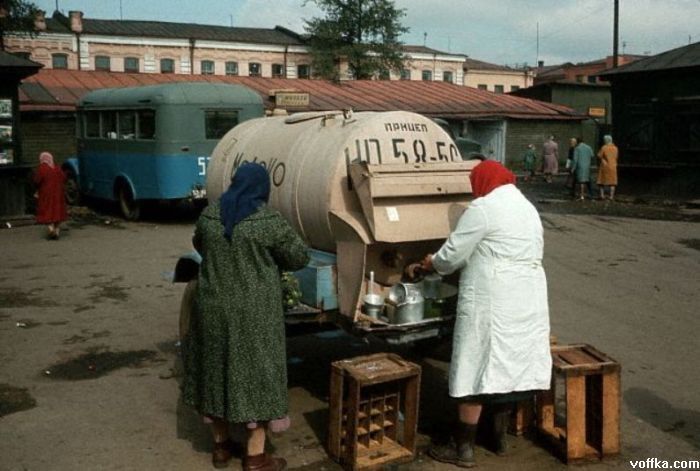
x=254 y=69
x=447 y=76
x=405 y=74
x=103 y=63
x=304 y=71
x=580 y=78
x=498 y=88
x=277 y=70
x=482 y=86
x=146 y=124
x=23 y=55
x=427 y=75
x=59 y=61
x=131 y=64
x=219 y=122
x=384 y=75
x=592 y=79
x=167 y=66
x=514 y=88
x=207 y=67
x=232 y=68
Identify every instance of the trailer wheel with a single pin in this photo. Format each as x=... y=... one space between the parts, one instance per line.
x=71 y=189
x=130 y=208
x=187 y=307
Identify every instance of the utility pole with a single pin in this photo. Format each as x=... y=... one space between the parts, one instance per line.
x=537 y=60
x=616 y=33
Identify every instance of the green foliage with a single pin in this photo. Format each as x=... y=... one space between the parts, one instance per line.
x=16 y=15
x=365 y=33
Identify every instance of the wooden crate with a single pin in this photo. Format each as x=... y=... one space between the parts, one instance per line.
x=592 y=419
x=367 y=396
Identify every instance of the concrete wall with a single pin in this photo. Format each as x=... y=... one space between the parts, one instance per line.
x=491 y=78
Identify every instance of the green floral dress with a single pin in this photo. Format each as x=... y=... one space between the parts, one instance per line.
x=234 y=353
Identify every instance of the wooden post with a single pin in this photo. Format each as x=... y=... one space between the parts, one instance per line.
x=575 y=417
x=611 y=413
x=545 y=408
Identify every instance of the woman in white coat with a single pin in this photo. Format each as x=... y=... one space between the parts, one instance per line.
x=501 y=336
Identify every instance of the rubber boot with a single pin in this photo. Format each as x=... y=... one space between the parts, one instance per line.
x=501 y=420
x=264 y=462
x=461 y=453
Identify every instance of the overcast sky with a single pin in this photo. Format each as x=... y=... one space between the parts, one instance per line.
x=499 y=31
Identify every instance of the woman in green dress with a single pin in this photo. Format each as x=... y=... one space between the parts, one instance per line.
x=234 y=353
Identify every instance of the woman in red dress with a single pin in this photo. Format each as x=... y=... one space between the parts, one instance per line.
x=51 y=203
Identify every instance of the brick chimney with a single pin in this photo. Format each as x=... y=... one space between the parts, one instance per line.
x=40 y=20
x=76 y=21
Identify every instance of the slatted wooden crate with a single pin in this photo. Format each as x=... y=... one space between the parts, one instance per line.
x=367 y=396
x=592 y=418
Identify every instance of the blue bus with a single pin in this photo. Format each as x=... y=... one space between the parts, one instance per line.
x=153 y=142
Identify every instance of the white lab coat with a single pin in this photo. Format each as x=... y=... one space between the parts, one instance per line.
x=501 y=336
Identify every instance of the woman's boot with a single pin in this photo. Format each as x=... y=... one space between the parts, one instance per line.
x=501 y=420
x=264 y=462
x=462 y=452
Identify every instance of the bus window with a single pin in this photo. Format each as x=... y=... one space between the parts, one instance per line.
x=219 y=122
x=127 y=124
x=147 y=124
x=92 y=124
x=109 y=125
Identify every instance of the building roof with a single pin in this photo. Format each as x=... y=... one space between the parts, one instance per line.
x=679 y=58
x=17 y=67
x=54 y=89
x=59 y=23
x=426 y=50
x=470 y=63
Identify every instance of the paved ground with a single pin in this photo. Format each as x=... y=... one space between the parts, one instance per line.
x=88 y=325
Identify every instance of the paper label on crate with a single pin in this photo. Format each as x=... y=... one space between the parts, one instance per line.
x=392 y=213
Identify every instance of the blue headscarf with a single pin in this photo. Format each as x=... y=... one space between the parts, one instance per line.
x=250 y=189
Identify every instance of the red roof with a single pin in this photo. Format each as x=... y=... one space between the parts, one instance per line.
x=52 y=89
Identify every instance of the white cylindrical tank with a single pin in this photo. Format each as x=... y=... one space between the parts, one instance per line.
x=308 y=156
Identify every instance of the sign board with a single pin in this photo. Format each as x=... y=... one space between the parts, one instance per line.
x=5 y=108
x=291 y=99
x=596 y=112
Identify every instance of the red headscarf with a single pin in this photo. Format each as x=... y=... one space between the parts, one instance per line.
x=489 y=175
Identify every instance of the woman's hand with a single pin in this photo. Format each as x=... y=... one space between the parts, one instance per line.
x=411 y=271
x=427 y=263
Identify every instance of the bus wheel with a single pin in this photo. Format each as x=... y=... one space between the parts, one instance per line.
x=71 y=189
x=186 y=307
x=130 y=208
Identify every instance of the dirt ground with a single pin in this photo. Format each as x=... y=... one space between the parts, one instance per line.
x=88 y=325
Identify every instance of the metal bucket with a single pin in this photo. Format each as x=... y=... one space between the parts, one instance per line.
x=374 y=304
x=409 y=304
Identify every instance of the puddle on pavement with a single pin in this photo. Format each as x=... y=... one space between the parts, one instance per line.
x=691 y=243
x=87 y=335
x=14 y=399
x=55 y=323
x=81 y=216
x=95 y=363
x=13 y=297
x=109 y=290
x=83 y=308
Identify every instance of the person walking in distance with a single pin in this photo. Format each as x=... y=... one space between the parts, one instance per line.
x=550 y=159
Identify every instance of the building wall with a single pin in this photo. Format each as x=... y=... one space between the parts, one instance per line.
x=42 y=46
x=521 y=132
x=45 y=131
x=491 y=78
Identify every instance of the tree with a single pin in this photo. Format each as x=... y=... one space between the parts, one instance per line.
x=363 y=32
x=16 y=15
